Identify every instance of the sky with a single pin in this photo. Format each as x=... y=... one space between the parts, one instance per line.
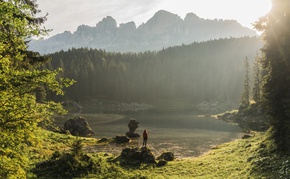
x=69 y=14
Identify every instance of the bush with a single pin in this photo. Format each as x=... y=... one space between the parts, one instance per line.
x=68 y=165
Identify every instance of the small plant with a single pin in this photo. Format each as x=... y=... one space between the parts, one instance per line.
x=284 y=171
x=77 y=147
x=68 y=165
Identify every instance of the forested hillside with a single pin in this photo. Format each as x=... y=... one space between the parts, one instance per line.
x=210 y=70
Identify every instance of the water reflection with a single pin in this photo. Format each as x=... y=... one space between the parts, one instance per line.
x=185 y=135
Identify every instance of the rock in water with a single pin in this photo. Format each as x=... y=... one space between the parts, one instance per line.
x=78 y=126
x=133 y=125
x=122 y=139
x=132 y=134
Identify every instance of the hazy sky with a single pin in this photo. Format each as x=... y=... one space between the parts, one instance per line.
x=69 y=14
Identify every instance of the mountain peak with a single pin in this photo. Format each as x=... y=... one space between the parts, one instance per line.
x=164 y=29
x=107 y=21
x=161 y=20
x=164 y=15
x=191 y=16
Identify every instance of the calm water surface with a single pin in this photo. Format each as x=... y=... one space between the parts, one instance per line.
x=185 y=135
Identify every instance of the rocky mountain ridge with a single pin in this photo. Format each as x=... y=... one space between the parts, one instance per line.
x=164 y=29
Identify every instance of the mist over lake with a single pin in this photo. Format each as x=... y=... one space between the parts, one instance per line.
x=186 y=135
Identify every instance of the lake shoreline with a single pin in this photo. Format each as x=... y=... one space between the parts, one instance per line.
x=186 y=135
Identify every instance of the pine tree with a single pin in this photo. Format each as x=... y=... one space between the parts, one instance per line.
x=257 y=80
x=276 y=91
x=245 y=98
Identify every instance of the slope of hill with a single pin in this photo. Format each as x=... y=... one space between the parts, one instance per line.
x=164 y=29
x=205 y=71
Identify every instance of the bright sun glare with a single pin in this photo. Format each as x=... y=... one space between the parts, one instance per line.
x=246 y=12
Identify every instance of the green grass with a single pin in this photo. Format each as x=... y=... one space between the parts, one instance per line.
x=254 y=157
x=224 y=161
x=49 y=142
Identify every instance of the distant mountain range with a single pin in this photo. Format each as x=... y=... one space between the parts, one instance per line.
x=164 y=29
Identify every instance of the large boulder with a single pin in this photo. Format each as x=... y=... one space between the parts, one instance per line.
x=122 y=139
x=133 y=125
x=132 y=134
x=138 y=156
x=167 y=156
x=78 y=126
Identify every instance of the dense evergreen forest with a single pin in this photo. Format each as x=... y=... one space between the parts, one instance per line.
x=211 y=70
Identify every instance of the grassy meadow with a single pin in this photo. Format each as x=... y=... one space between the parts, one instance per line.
x=254 y=157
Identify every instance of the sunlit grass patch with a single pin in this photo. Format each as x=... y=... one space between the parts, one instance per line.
x=254 y=157
x=229 y=160
x=49 y=142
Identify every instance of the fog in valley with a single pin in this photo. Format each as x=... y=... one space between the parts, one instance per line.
x=173 y=75
x=174 y=93
x=185 y=134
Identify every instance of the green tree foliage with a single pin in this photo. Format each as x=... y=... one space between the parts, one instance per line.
x=257 y=77
x=200 y=71
x=245 y=98
x=20 y=80
x=276 y=91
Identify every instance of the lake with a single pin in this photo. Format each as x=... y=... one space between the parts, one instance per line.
x=186 y=135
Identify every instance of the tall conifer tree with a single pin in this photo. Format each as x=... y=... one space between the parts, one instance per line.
x=245 y=98
x=276 y=91
x=257 y=80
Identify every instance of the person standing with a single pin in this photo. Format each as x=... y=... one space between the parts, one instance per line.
x=145 y=138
